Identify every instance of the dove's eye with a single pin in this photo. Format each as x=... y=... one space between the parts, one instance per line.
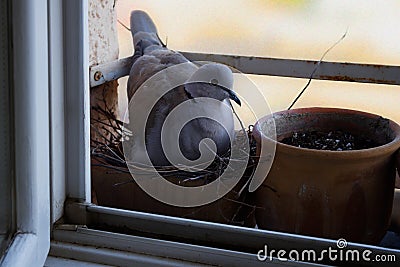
x=214 y=82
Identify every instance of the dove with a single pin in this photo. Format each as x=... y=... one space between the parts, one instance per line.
x=197 y=89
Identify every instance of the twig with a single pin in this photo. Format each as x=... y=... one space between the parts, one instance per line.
x=315 y=69
x=123 y=25
x=240 y=202
x=218 y=157
x=109 y=114
x=122 y=183
x=247 y=182
x=237 y=116
x=111 y=134
x=107 y=157
x=102 y=122
x=111 y=167
x=105 y=145
x=101 y=135
x=244 y=131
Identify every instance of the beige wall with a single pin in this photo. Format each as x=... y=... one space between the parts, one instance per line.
x=103 y=47
x=103 y=39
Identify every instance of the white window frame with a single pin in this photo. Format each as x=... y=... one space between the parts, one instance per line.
x=31 y=242
x=77 y=99
x=51 y=92
x=70 y=106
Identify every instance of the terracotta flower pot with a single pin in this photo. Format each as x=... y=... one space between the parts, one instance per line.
x=331 y=194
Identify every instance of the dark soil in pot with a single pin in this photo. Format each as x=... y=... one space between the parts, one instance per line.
x=332 y=140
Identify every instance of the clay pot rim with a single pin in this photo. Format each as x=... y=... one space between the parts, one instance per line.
x=362 y=153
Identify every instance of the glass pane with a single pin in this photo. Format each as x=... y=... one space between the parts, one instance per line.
x=289 y=29
x=5 y=131
x=285 y=29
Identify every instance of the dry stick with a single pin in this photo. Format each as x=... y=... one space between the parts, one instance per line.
x=110 y=167
x=123 y=183
x=111 y=134
x=113 y=127
x=110 y=125
x=237 y=116
x=109 y=114
x=244 y=132
x=247 y=182
x=107 y=145
x=150 y=168
x=102 y=155
x=315 y=69
x=240 y=202
x=219 y=158
x=106 y=157
x=123 y=25
x=101 y=122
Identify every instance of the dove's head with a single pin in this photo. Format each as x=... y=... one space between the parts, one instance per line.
x=212 y=80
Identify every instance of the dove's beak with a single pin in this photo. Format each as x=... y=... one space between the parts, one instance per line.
x=233 y=96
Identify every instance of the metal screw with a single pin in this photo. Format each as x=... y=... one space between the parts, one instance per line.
x=98 y=75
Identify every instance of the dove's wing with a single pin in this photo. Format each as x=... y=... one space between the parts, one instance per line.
x=149 y=64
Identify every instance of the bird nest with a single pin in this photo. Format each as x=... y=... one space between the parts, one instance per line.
x=114 y=186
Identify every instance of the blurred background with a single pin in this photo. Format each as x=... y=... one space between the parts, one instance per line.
x=295 y=29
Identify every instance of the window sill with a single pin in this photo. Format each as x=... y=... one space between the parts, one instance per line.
x=99 y=247
x=29 y=244
x=64 y=262
x=186 y=241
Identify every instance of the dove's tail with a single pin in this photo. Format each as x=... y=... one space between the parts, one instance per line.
x=144 y=31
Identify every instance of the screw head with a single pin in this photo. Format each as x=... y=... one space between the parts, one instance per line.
x=98 y=75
